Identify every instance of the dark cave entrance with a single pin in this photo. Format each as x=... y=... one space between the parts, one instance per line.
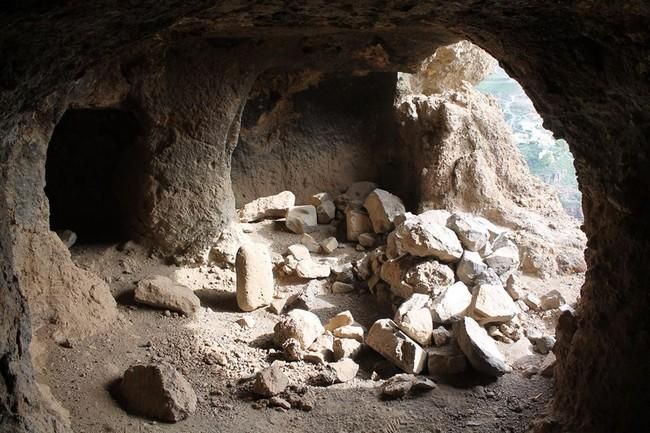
x=86 y=173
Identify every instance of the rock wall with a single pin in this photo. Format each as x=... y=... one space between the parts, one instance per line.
x=309 y=131
x=588 y=78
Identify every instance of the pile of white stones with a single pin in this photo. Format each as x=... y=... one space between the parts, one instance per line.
x=451 y=279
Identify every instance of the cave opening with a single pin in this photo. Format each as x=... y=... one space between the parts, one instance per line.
x=87 y=171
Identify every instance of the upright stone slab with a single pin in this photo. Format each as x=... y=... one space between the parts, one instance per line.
x=383 y=207
x=386 y=338
x=479 y=348
x=254 y=277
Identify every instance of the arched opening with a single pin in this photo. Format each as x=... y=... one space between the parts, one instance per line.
x=86 y=173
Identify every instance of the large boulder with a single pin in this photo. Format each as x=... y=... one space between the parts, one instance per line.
x=479 y=348
x=386 y=338
x=452 y=303
x=302 y=325
x=255 y=285
x=161 y=292
x=424 y=239
x=383 y=207
x=274 y=206
x=157 y=391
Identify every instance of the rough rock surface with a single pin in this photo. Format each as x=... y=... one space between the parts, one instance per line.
x=387 y=339
x=162 y=292
x=479 y=348
x=274 y=206
x=302 y=325
x=157 y=391
x=270 y=381
x=255 y=284
x=423 y=239
x=383 y=207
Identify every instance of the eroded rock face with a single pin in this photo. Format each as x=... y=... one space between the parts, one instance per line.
x=589 y=81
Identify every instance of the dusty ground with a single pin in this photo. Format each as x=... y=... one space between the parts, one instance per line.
x=217 y=356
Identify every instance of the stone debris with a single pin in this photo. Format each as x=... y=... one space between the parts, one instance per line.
x=414 y=318
x=492 y=304
x=357 y=222
x=513 y=287
x=255 y=284
x=329 y=245
x=386 y=338
x=274 y=206
x=446 y=360
x=68 y=237
x=346 y=348
x=503 y=259
x=470 y=267
x=292 y=350
x=280 y=305
x=324 y=346
x=473 y=234
x=452 y=303
x=440 y=336
x=543 y=344
x=161 y=292
x=354 y=331
x=342 y=371
x=157 y=391
x=270 y=381
x=551 y=300
x=435 y=216
x=311 y=244
x=319 y=198
x=339 y=287
x=224 y=250
x=515 y=352
x=400 y=385
x=343 y=318
x=356 y=194
x=367 y=240
x=422 y=239
x=311 y=269
x=301 y=219
x=429 y=276
x=382 y=208
x=325 y=212
x=276 y=401
x=302 y=325
x=299 y=251
x=246 y=322
x=533 y=302
x=480 y=350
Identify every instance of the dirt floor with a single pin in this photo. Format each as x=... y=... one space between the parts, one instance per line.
x=219 y=357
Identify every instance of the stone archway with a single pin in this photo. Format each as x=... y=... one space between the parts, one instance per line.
x=588 y=78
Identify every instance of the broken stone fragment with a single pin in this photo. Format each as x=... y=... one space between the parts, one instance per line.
x=308 y=241
x=414 y=318
x=367 y=240
x=339 y=287
x=533 y=302
x=470 y=267
x=254 y=271
x=346 y=348
x=356 y=223
x=329 y=245
x=270 y=381
x=446 y=360
x=383 y=207
x=302 y=325
x=479 y=348
x=68 y=237
x=274 y=206
x=224 y=250
x=354 y=331
x=323 y=345
x=246 y=322
x=491 y=304
x=343 y=371
x=424 y=239
x=311 y=269
x=319 y=198
x=401 y=384
x=517 y=351
x=344 y=318
x=157 y=391
x=429 y=277
x=503 y=259
x=473 y=234
x=440 y=336
x=435 y=216
x=301 y=219
x=544 y=344
x=356 y=194
x=452 y=303
x=299 y=251
x=551 y=300
x=514 y=288
x=386 y=338
x=292 y=350
x=325 y=212
x=161 y=292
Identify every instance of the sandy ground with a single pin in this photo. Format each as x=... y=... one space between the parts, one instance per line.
x=81 y=376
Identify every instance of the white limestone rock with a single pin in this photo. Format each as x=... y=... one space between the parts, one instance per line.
x=254 y=271
x=301 y=219
x=344 y=318
x=424 y=239
x=473 y=234
x=311 y=244
x=492 y=304
x=414 y=318
x=302 y=325
x=274 y=206
x=329 y=245
x=470 y=267
x=356 y=222
x=161 y=292
x=479 y=348
x=346 y=348
x=383 y=207
x=325 y=212
x=386 y=338
x=311 y=269
x=503 y=259
x=429 y=276
x=452 y=303
x=551 y=300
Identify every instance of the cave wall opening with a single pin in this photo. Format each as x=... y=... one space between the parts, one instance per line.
x=86 y=173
